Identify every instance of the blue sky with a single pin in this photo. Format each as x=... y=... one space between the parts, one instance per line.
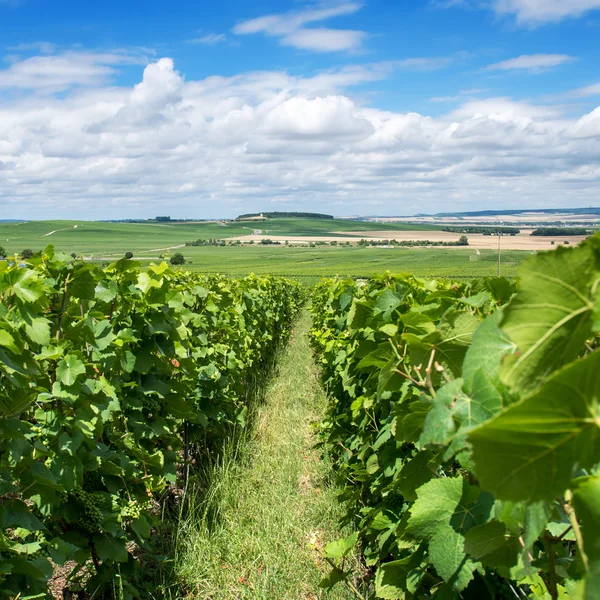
x=110 y=109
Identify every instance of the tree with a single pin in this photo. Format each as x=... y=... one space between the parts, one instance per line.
x=27 y=254
x=129 y=255
x=463 y=240
x=2 y=252
x=177 y=259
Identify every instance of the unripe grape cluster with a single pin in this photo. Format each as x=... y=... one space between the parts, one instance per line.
x=89 y=503
x=132 y=510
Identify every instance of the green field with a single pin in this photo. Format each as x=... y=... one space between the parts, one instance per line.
x=360 y=262
x=147 y=241
x=100 y=238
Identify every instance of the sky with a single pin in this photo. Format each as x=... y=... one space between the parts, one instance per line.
x=132 y=109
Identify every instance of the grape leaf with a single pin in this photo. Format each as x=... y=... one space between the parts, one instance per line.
x=69 y=369
x=530 y=451
x=447 y=555
x=550 y=317
x=435 y=504
x=494 y=545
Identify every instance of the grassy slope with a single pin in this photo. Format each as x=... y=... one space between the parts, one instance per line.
x=269 y=511
x=105 y=238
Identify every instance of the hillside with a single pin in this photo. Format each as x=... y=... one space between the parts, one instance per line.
x=94 y=237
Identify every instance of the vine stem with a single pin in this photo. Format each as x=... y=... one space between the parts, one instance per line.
x=62 y=307
x=428 y=373
x=408 y=377
x=570 y=512
x=552 y=588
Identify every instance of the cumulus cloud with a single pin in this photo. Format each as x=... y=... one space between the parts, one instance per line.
x=537 y=12
x=290 y=28
x=534 y=63
x=224 y=145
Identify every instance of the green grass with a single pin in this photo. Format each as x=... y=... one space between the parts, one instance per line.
x=269 y=505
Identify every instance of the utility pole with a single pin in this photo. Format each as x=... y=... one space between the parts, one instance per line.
x=498 y=253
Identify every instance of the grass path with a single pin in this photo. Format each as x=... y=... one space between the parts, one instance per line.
x=255 y=534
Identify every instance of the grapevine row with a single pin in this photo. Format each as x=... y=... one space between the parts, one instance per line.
x=464 y=424
x=101 y=373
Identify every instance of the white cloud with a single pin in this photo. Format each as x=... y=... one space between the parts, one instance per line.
x=537 y=12
x=530 y=13
x=582 y=92
x=41 y=46
x=57 y=72
x=224 y=145
x=324 y=40
x=534 y=63
x=290 y=28
x=210 y=39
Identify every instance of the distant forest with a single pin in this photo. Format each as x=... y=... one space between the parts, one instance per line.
x=287 y=215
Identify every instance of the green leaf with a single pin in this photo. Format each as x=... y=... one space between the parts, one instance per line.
x=38 y=331
x=83 y=283
x=28 y=285
x=447 y=555
x=69 y=369
x=146 y=282
x=550 y=317
x=450 y=340
x=110 y=548
x=531 y=450
x=484 y=356
x=586 y=500
x=141 y=528
x=435 y=504
x=415 y=473
x=8 y=341
x=389 y=329
x=340 y=548
x=359 y=314
x=391 y=578
x=387 y=302
x=494 y=545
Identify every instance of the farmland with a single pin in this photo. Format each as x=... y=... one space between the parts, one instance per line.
x=107 y=238
x=148 y=241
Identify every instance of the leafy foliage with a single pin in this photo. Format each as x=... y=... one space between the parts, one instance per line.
x=464 y=423
x=101 y=371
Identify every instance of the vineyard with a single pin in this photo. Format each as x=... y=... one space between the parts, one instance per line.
x=107 y=379
x=462 y=422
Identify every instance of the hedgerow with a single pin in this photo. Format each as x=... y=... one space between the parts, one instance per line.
x=464 y=424
x=103 y=373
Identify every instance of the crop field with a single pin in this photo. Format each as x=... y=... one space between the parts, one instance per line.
x=101 y=238
x=353 y=261
x=148 y=241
